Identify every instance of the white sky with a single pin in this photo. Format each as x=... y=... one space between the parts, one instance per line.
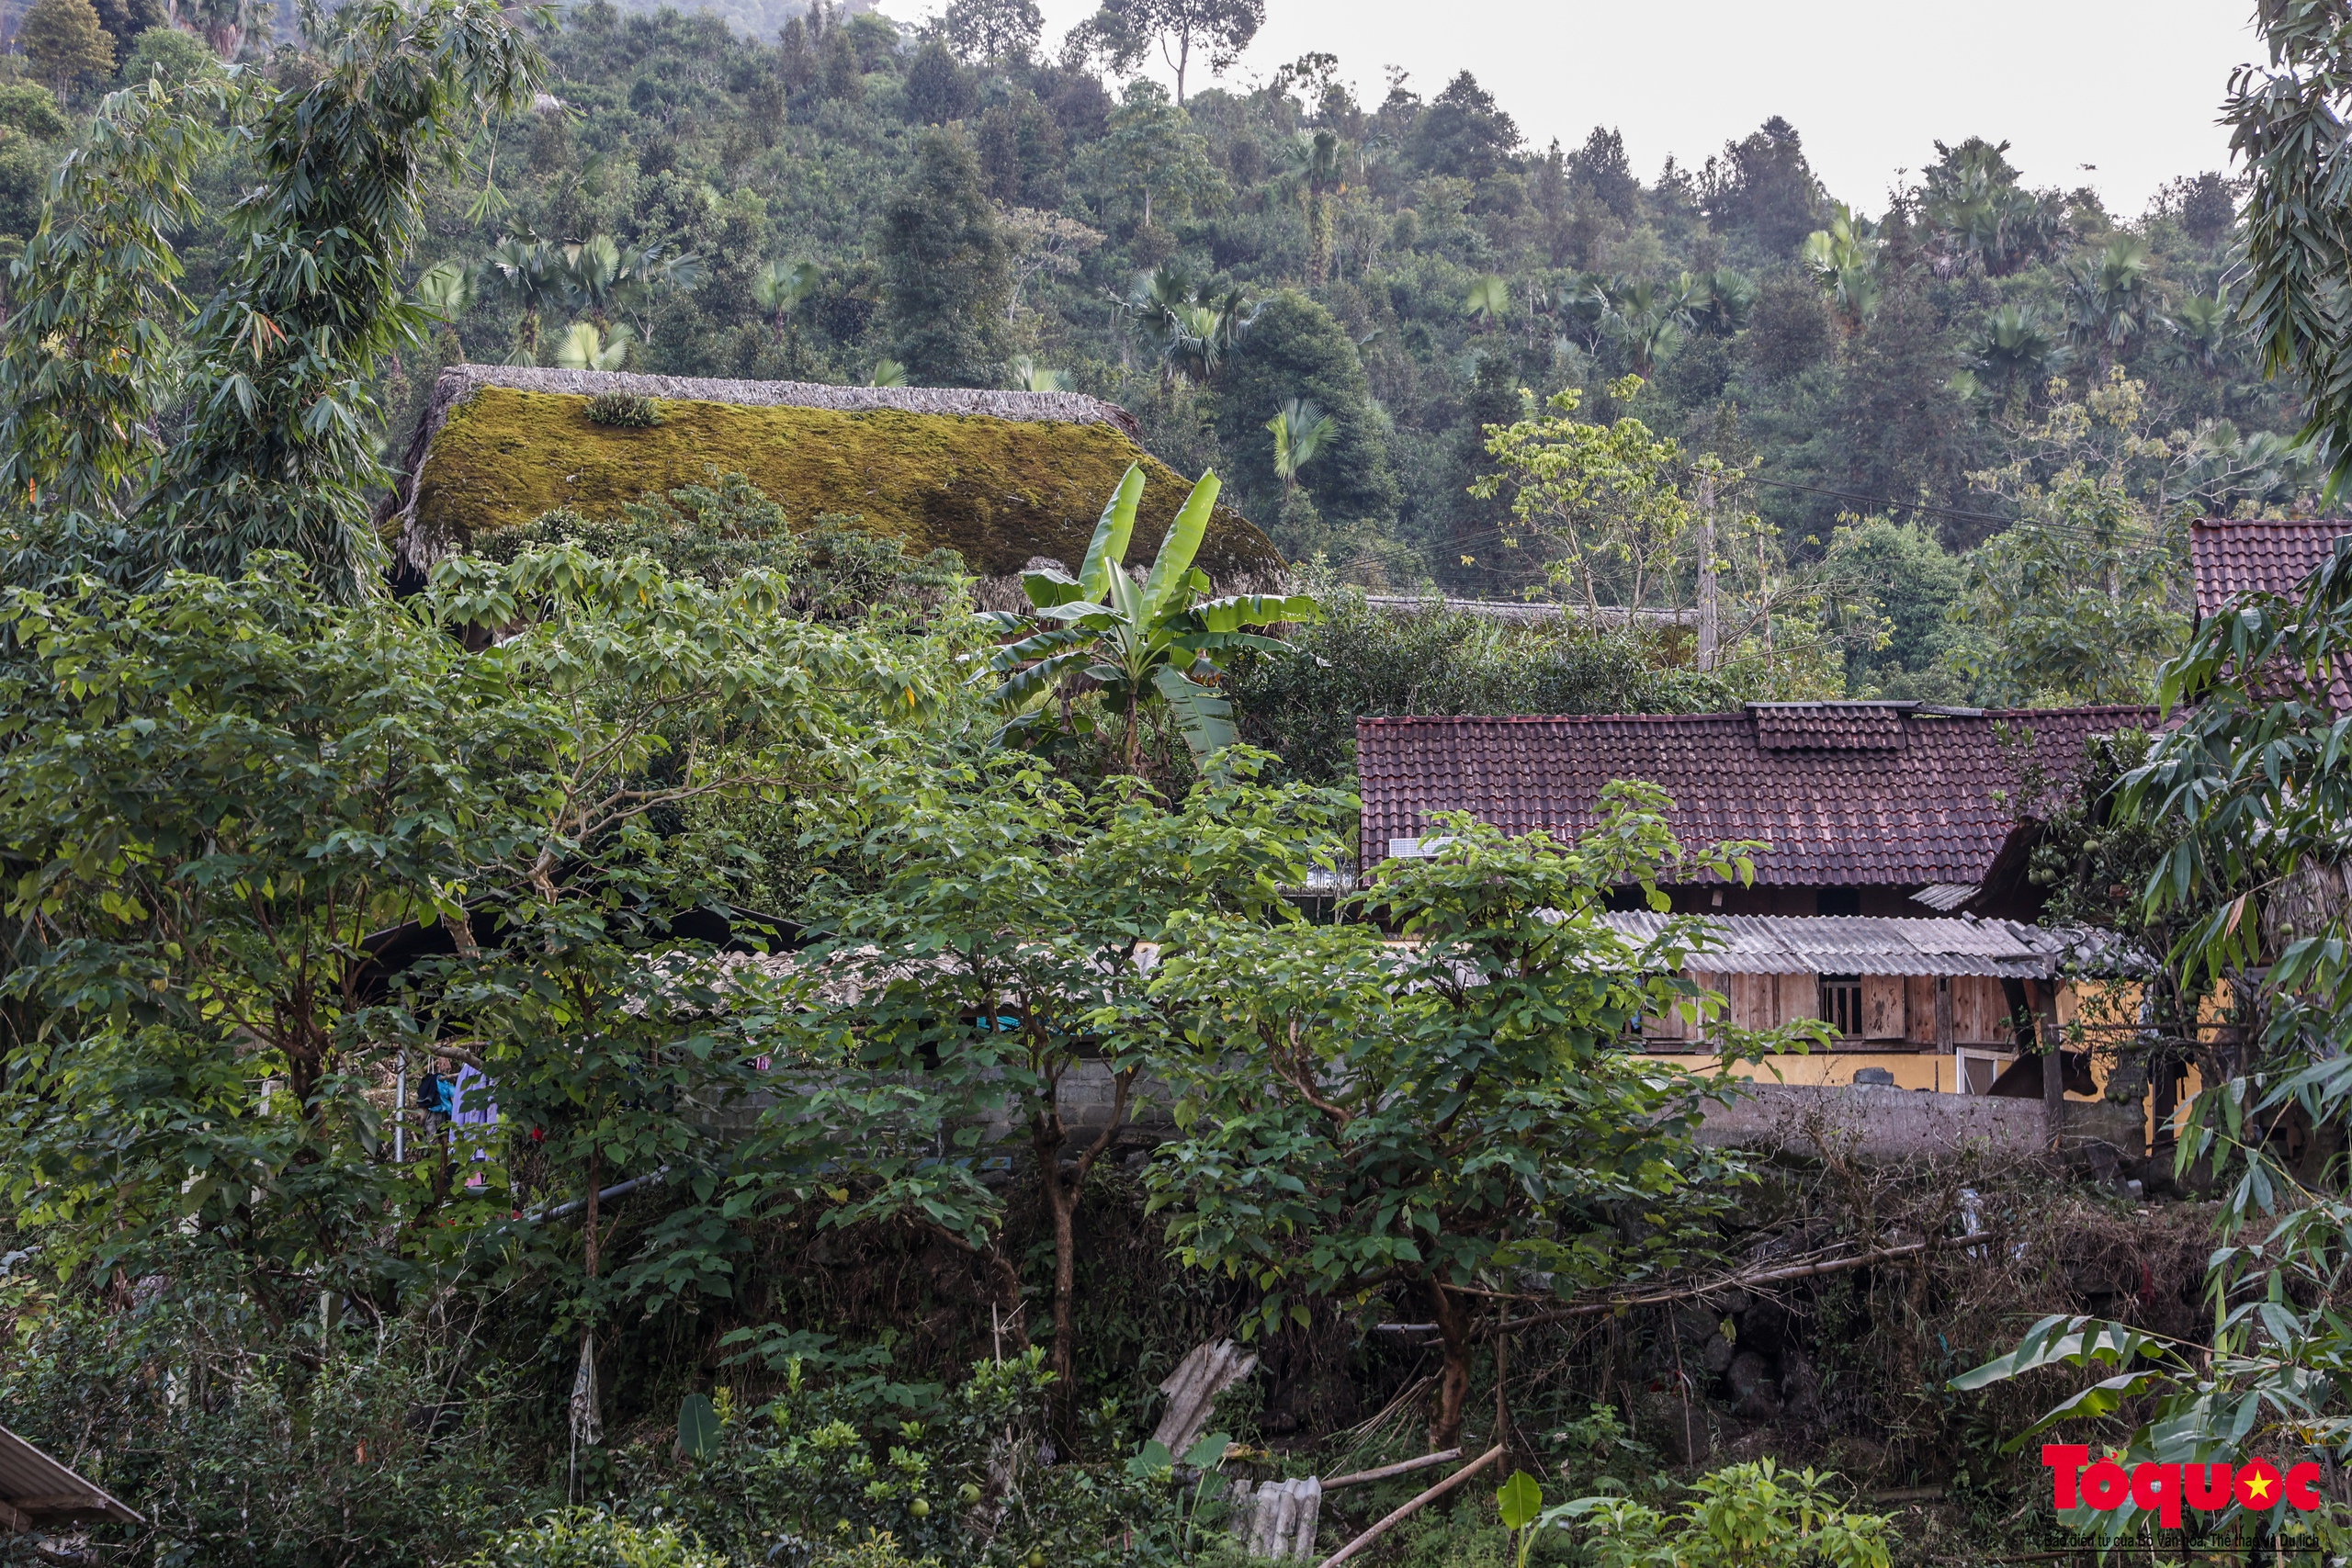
x=2130 y=85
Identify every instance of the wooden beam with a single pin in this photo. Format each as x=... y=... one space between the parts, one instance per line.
x=1402 y=1467
x=1415 y=1505
x=12 y=1520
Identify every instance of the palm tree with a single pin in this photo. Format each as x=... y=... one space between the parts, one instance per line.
x=1159 y=642
x=1028 y=376
x=2016 y=351
x=780 y=286
x=2200 y=332
x=1300 y=429
x=602 y=278
x=585 y=348
x=1844 y=259
x=1646 y=321
x=888 y=373
x=1718 y=302
x=2109 y=297
x=1490 y=296
x=444 y=291
x=1190 y=327
x=1317 y=167
x=531 y=274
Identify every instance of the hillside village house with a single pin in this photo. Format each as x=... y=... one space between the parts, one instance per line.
x=1891 y=903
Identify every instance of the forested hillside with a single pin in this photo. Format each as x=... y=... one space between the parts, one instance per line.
x=843 y=199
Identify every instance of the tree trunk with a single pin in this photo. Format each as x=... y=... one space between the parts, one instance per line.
x=1060 y=1194
x=1453 y=1314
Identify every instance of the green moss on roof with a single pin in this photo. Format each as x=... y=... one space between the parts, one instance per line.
x=998 y=490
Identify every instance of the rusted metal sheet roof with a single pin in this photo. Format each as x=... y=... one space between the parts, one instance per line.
x=1846 y=794
x=38 y=1488
x=1844 y=944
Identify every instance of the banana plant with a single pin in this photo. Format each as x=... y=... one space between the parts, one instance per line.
x=1163 y=640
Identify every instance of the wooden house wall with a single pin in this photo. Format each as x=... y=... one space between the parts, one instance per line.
x=1919 y=1009
x=1882 y=1007
x=1896 y=1008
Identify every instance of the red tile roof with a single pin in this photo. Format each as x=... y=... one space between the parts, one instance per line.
x=1847 y=794
x=2233 y=557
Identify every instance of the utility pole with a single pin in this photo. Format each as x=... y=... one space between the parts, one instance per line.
x=1710 y=624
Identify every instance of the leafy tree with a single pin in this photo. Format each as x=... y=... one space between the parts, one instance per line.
x=1897 y=427
x=988 y=32
x=216 y=791
x=31 y=108
x=2085 y=595
x=939 y=88
x=100 y=279
x=280 y=453
x=1160 y=642
x=1023 y=152
x=1296 y=349
x=124 y=20
x=1763 y=187
x=1123 y=31
x=844 y=72
x=64 y=43
x=1151 y=153
x=1606 y=495
x=2286 y=126
x=1447 y=1115
x=168 y=53
x=1462 y=133
x=1790 y=332
x=1601 y=166
x=948 y=269
x=1904 y=580
x=999 y=945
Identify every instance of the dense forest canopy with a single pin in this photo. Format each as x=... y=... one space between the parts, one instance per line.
x=827 y=194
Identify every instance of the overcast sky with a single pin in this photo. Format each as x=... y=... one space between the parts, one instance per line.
x=2130 y=85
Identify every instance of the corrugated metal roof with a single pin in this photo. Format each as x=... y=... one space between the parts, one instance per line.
x=34 y=1483
x=1844 y=944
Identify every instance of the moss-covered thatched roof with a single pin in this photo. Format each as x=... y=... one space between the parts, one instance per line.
x=1000 y=476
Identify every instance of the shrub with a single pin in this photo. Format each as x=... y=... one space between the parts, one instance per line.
x=588 y=1537
x=624 y=411
x=865 y=1474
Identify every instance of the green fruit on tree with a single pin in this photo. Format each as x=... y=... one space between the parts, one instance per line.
x=919 y=1508
x=1037 y=1557
x=969 y=1493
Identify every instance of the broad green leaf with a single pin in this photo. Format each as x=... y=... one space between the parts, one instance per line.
x=697 y=1426
x=1201 y=713
x=1112 y=532
x=1183 y=542
x=1205 y=1454
x=1521 y=1499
